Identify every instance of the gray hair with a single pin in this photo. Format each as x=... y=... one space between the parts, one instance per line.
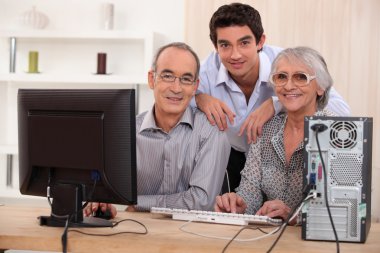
x=315 y=62
x=179 y=45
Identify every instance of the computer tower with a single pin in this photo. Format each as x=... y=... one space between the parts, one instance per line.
x=346 y=149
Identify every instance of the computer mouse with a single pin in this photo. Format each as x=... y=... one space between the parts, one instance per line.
x=107 y=215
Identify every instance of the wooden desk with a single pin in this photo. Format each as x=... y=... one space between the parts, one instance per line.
x=19 y=229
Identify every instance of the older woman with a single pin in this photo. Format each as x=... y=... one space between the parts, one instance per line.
x=271 y=182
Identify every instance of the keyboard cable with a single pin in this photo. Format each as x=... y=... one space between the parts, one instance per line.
x=183 y=229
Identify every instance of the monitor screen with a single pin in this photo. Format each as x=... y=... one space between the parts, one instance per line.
x=77 y=146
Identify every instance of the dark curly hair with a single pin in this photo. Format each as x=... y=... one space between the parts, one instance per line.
x=236 y=14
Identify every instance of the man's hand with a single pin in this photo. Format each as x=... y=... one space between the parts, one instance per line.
x=131 y=208
x=216 y=111
x=230 y=203
x=253 y=124
x=94 y=206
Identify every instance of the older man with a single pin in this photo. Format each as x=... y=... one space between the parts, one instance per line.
x=181 y=158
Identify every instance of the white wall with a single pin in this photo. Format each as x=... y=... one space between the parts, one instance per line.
x=164 y=16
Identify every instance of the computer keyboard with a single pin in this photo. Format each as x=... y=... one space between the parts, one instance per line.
x=215 y=217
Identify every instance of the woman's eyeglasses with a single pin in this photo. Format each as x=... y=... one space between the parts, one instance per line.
x=299 y=78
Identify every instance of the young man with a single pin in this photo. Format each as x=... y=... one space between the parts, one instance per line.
x=181 y=158
x=234 y=92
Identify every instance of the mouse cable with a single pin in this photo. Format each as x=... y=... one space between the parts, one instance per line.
x=66 y=230
x=117 y=233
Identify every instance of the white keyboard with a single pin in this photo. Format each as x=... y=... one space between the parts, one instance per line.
x=215 y=217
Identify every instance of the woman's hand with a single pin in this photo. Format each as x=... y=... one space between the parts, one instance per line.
x=274 y=208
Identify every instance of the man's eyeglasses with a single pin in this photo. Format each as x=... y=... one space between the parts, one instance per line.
x=170 y=78
x=299 y=78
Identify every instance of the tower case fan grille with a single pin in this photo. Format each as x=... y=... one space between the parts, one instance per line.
x=343 y=134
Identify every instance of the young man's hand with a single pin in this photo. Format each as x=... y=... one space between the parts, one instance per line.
x=254 y=123
x=217 y=112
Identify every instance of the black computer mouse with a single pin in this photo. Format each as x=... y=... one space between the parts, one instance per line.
x=107 y=215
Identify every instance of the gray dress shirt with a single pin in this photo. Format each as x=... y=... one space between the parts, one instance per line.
x=183 y=168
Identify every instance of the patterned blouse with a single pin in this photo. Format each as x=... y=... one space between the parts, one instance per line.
x=266 y=175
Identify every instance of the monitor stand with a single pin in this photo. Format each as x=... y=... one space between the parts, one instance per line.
x=67 y=200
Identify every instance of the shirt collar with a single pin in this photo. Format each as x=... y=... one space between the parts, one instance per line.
x=149 y=122
x=265 y=66
x=223 y=76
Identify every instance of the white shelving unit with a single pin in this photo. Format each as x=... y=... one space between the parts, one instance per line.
x=67 y=60
x=145 y=43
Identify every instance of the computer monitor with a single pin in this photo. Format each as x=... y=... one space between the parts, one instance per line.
x=77 y=146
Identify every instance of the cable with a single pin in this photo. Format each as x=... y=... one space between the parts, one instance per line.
x=67 y=217
x=182 y=228
x=117 y=233
x=305 y=195
x=67 y=224
x=283 y=227
x=228 y=182
x=317 y=130
x=64 y=235
x=70 y=217
x=51 y=205
x=68 y=221
x=302 y=204
x=244 y=228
